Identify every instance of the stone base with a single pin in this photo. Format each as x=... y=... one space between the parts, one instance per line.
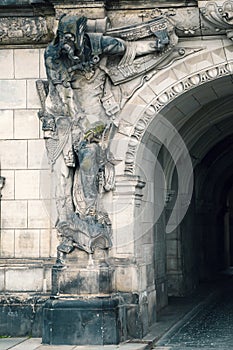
x=71 y=280
x=79 y=321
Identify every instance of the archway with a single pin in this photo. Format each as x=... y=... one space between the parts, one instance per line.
x=198 y=107
x=199 y=246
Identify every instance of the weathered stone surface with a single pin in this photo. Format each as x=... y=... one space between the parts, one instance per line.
x=176 y=90
x=6 y=125
x=24 y=30
x=26 y=63
x=27 y=244
x=6 y=64
x=82 y=281
x=11 y=217
x=92 y=321
x=26 y=126
x=13 y=94
x=7 y=246
x=21 y=316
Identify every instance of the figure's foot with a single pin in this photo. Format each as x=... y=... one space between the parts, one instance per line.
x=66 y=246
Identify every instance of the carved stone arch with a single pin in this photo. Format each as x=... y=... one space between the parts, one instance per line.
x=161 y=92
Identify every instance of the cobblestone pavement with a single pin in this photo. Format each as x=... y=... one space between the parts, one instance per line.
x=210 y=329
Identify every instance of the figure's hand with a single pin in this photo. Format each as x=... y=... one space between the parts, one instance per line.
x=161 y=40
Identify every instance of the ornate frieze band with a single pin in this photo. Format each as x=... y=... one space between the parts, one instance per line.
x=36 y=26
x=25 y=30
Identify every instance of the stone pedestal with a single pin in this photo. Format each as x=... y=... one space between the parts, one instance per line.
x=81 y=321
x=70 y=280
x=81 y=310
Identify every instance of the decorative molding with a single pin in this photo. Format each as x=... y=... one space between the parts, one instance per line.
x=25 y=30
x=90 y=9
x=148 y=4
x=139 y=31
x=220 y=15
x=163 y=99
x=216 y=16
x=130 y=186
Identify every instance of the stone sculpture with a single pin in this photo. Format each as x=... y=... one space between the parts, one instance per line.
x=81 y=102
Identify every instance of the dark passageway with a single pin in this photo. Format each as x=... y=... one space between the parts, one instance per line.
x=209 y=329
x=204 y=239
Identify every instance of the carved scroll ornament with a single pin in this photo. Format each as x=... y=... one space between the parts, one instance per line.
x=219 y=16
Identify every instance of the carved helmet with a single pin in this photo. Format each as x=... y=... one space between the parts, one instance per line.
x=74 y=25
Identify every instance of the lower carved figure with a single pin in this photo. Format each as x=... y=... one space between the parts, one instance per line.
x=87 y=226
x=82 y=171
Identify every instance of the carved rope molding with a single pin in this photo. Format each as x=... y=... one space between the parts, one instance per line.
x=163 y=99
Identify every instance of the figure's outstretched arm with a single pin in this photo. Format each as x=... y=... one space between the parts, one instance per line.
x=113 y=46
x=163 y=38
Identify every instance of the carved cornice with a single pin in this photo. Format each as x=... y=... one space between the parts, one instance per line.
x=163 y=99
x=25 y=8
x=31 y=21
x=149 y=4
x=89 y=8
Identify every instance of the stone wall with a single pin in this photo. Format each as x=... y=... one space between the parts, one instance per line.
x=145 y=263
x=26 y=230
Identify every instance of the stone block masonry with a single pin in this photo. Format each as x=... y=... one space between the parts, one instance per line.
x=130 y=261
x=26 y=230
